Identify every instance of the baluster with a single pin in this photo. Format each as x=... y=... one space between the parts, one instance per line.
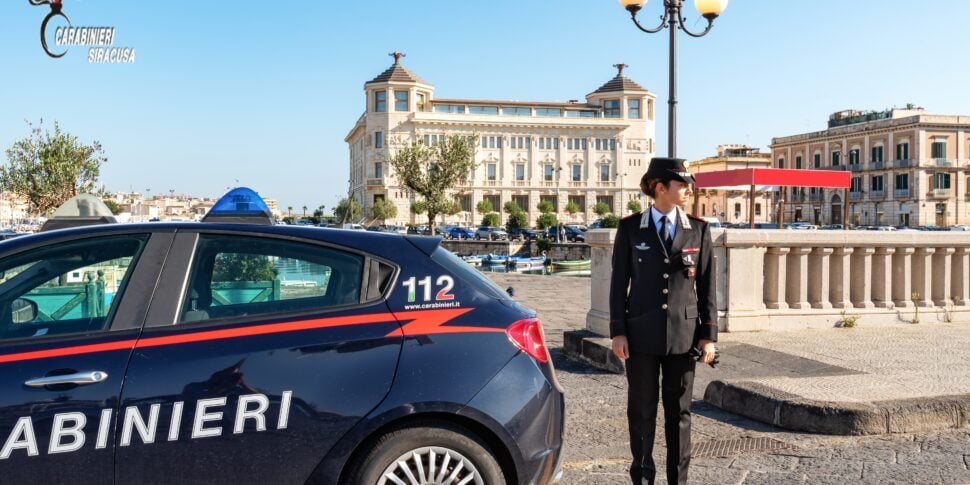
x=818 y=278
x=942 y=271
x=796 y=282
x=960 y=289
x=882 y=278
x=775 y=266
x=923 y=276
x=839 y=277
x=861 y=288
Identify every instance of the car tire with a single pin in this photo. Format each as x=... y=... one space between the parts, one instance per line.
x=393 y=453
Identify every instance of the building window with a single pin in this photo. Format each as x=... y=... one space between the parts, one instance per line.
x=612 y=144
x=599 y=144
x=902 y=181
x=552 y=199
x=548 y=112
x=818 y=161
x=941 y=181
x=757 y=209
x=490 y=171
x=520 y=171
x=380 y=101
x=875 y=183
x=571 y=113
x=798 y=162
x=611 y=108
x=854 y=157
x=483 y=110
x=577 y=173
x=855 y=185
x=542 y=143
x=446 y=108
x=902 y=151
x=522 y=201
x=604 y=173
x=421 y=102
x=378 y=170
x=938 y=149
x=781 y=163
x=378 y=139
x=633 y=109
x=555 y=143
x=605 y=199
x=836 y=158
x=400 y=100
x=584 y=143
x=547 y=172
x=876 y=154
x=516 y=111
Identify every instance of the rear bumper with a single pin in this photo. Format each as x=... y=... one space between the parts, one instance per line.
x=531 y=410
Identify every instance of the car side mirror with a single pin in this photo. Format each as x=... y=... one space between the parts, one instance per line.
x=23 y=311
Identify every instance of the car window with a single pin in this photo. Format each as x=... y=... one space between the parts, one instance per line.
x=65 y=288
x=235 y=276
x=466 y=273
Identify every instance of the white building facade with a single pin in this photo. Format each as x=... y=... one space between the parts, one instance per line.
x=527 y=152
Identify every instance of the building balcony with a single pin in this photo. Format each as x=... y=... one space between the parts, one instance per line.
x=605 y=184
x=901 y=194
x=548 y=183
x=854 y=167
x=815 y=197
x=491 y=183
x=880 y=165
x=577 y=184
x=938 y=193
x=796 y=198
x=855 y=195
x=520 y=183
x=902 y=163
x=375 y=182
x=877 y=194
x=941 y=162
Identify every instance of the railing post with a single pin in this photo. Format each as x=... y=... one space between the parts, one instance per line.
x=960 y=288
x=942 y=266
x=796 y=287
x=839 y=277
x=775 y=266
x=861 y=288
x=818 y=278
x=902 y=277
x=882 y=277
x=923 y=276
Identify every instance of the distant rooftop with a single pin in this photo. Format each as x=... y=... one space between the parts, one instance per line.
x=397 y=73
x=852 y=116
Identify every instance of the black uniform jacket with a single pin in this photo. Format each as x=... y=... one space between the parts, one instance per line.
x=663 y=303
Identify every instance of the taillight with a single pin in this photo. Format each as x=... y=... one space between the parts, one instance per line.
x=527 y=335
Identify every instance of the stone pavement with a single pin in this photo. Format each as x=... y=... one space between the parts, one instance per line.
x=895 y=364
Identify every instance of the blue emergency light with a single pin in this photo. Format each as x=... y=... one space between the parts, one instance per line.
x=240 y=205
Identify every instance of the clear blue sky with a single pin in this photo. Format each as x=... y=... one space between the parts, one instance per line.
x=264 y=92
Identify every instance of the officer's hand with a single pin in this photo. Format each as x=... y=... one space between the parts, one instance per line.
x=621 y=348
x=707 y=350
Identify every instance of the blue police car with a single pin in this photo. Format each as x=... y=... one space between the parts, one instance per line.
x=238 y=351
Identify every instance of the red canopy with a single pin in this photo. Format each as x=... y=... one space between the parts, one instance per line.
x=746 y=177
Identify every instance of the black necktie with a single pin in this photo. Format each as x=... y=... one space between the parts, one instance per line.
x=665 y=234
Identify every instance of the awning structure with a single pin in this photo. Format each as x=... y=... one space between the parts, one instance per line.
x=766 y=179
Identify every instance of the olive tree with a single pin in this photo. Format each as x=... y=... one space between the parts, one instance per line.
x=434 y=171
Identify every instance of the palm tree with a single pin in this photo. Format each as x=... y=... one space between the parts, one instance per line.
x=304 y=211
x=289 y=210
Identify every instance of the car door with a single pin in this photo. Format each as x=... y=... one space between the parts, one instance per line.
x=258 y=354
x=70 y=313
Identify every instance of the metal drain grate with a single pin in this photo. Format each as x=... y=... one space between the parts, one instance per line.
x=734 y=447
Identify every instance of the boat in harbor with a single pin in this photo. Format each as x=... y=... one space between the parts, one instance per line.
x=577 y=264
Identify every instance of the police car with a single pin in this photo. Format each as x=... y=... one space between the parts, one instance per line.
x=239 y=351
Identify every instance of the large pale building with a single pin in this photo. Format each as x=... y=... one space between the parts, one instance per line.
x=731 y=205
x=907 y=167
x=527 y=152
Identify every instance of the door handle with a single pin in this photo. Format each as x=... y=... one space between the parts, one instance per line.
x=79 y=378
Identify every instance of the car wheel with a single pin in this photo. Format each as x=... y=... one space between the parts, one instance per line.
x=427 y=453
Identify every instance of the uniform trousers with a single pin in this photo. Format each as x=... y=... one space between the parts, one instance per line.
x=643 y=373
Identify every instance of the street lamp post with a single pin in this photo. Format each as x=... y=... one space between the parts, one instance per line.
x=673 y=19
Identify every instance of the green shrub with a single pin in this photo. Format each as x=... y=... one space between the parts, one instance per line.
x=491 y=219
x=610 y=220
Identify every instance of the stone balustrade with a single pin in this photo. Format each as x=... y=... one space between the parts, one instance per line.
x=771 y=279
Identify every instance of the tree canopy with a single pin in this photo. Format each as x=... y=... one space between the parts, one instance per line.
x=50 y=167
x=383 y=210
x=434 y=171
x=634 y=206
x=348 y=210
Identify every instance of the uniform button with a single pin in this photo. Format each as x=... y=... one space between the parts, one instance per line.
x=666 y=276
x=666 y=291
x=666 y=261
x=664 y=306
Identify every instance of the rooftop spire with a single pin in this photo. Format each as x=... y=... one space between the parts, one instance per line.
x=619 y=68
x=397 y=56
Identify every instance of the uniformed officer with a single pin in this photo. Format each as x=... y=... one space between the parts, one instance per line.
x=662 y=303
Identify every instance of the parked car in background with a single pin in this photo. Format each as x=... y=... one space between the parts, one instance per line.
x=573 y=234
x=459 y=232
x=525 y=234
x=491 y=233
x=712 y=222
x=353 y=226
x=960 y=227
